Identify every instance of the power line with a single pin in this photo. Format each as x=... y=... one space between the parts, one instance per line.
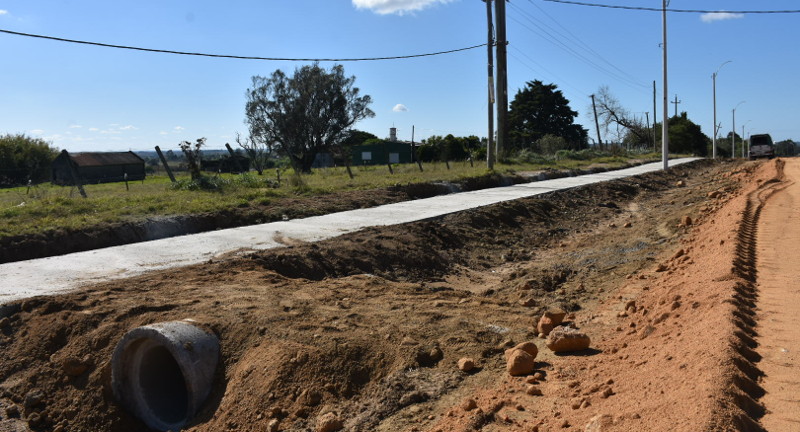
x=674 y=10
x=163 y=51
x=579 y=56
x=550 y=34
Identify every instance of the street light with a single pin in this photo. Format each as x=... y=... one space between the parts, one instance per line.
x=745 y=123
x=733 y=133
x=714 y=85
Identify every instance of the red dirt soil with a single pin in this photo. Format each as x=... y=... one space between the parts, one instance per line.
x=369 y=326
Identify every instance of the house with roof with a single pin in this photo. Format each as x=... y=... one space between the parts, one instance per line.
x=97 y=167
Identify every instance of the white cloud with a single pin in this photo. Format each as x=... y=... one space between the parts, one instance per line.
x=719 y=16
x=399 y=108
x=163 y=133
x=178 y=128
x=94 y=129
x=36 y=131
x=3 y=12
x=128 y=127
x=75 y=126
x=399 y=7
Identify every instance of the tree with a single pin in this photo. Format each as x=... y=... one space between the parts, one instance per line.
x=24 y=158
x=256 y=150
x=193 y=156
x=687 y=137
x=611 y=112
x=538 y=110
x=308 y=113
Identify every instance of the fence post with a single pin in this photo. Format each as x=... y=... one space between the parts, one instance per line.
x=74 y=173
x=166 y=165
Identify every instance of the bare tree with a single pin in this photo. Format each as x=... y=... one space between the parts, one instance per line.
x=257 y=151
x=611 y=113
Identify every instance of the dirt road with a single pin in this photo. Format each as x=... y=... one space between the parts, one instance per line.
x=779 y=303
x=660 y=271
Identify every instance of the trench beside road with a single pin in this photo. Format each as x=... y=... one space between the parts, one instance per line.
x=58 y=274
x=779 y=303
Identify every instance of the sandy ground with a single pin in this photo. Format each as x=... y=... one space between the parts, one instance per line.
x=779 y=304
x=660 y=271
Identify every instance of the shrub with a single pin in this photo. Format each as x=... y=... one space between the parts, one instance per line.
x=24 y=158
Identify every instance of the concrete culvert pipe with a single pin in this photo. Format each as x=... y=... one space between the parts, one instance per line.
x=163 y=372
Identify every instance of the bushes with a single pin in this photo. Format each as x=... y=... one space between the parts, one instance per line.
x=24 y=158
x=221 y=184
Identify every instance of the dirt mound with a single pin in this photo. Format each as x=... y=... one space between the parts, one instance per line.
x=370 y=326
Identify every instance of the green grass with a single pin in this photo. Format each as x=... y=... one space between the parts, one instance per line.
x=47 y=207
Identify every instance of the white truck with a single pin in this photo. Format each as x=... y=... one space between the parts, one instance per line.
x=761 y=146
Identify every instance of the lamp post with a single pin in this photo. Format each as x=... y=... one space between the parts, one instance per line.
x=745 y=123
x=733 y=130
x=714 y=86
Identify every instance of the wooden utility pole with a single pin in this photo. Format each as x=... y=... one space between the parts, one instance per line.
x=596 y=124
x=166 y=165
x=489 y=46
x=73 y=172
x=676 y=102
x=502 y=76
x=647 y=121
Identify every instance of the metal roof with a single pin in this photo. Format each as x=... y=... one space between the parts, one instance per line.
x=105 y=158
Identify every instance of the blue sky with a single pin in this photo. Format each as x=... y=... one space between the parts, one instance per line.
x=86 y=98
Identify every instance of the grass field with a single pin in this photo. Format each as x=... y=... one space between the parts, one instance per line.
x=46 y=207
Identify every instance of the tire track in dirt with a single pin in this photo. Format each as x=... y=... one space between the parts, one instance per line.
x=747 y=376
x=779 y=307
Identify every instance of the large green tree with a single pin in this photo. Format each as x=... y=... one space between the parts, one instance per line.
x=305 y=114
x=685 y=136
x=540 y=109
x=24 y=158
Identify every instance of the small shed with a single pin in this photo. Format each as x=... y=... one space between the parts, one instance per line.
x=95 y=167
x=382 y=153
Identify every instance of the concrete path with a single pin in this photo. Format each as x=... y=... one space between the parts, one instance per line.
x=52 y=275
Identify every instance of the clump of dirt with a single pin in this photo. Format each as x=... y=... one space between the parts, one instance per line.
x=370 y=326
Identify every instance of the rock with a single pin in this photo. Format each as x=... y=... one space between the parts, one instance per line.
x=686 y=221
x=12 y=411
x=272 y=425
x=565 y=339
x=529 y=347
x=436 y=354
x=599 y=423
x=466 y=364
x=310 y=397
x=538 y=376
x=533 y=390
x=74 y=367
x=714 y=194
x=661 y=268
x=680 y=183
x=469 y=405
x=329 y=423
x=608 y=391
x=4 y=322
x=519 y=362
x=528 y=302
x=33 y=398
x=545 y=325
x=627 y=225
x=630 y=304
x=556 y=314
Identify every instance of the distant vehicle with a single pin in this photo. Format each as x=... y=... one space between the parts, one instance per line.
x=761 y=146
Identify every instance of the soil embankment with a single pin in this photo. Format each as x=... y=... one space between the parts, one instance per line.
x=658 y=270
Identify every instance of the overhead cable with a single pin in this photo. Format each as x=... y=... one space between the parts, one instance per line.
x=789 y=11
x=163 y=51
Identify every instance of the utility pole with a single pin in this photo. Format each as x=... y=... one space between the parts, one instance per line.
x=655 y=116
x=490 y=43
x=714 y=86
x=502 y=75
x=596 y=124
x=676 y=104
x=665 y=125
x=647 y=122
